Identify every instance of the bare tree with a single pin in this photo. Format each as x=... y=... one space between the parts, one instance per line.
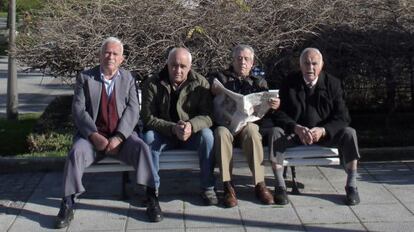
x=65 y=35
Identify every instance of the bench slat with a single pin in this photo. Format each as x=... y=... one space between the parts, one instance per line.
x=188 y=159
x=311 y=162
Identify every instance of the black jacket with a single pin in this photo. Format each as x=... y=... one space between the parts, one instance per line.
x=329 y=104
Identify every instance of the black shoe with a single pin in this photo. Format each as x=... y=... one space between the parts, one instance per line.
x=154 y=210
x=280 y=196
x=352 y=196
x=64 y=216
x=209 y=197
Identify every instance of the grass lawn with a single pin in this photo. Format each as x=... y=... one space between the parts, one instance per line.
x=13 y=133
x=13 y=137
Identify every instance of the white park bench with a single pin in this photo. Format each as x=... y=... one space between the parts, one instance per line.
x=188 y=160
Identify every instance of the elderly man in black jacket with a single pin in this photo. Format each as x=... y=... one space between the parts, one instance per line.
x=313 y=111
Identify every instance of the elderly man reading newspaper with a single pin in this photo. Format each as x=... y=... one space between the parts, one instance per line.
x=239 y=79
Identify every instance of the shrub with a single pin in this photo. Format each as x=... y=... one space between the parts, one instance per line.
x=54 y=129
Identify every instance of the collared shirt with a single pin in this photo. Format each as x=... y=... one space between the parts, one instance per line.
x=109 y=84
x=311 y=83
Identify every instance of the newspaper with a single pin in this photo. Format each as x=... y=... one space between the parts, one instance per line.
x=234 y=110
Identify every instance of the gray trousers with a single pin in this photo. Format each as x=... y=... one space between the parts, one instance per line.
x=345 y=140
x=82 y=154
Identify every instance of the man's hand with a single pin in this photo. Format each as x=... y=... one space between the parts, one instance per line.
x=274 y=103
x=113 y=146
x=304 y=134
x=183 y=130
x=98 y=141
x=317 y=133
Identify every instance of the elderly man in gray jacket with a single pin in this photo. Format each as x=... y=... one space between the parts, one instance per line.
x=105 y=110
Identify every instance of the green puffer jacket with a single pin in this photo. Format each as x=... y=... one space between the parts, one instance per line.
x=194 y=103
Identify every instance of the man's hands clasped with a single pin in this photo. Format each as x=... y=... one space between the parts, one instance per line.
x=108 y=146
x=309 y=136
x=182 y=130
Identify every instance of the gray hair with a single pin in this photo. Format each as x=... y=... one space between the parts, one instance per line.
x=112 y=40
x=172 y=52
x=236 y=50
x=307 y=50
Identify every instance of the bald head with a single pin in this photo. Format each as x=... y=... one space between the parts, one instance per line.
x=311 y=63
x=179 y=65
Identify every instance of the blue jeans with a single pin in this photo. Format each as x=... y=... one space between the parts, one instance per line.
x=201 y=141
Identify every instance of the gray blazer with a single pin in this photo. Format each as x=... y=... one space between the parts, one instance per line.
x=87 y=97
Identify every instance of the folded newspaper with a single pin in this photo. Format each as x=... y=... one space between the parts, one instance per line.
x=234 y=110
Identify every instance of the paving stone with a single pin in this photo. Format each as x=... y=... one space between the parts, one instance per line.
x=410 y=207
x=400 y=192
x=382 y=213
x=159 y=230
x=6 y=221
x=340 y=227
x=334 y=173
x=372 y=193
x=286 y=228
x=212 y=218
x=138 y=220
x=391 y=226
x=316 y=199
x=323 y=214
x=209 y=229
x=100 y=215
x=406 y=180
x=38 y=214
x=388 y=169
x=316 y=186
x=195 y=201
x=270 y=218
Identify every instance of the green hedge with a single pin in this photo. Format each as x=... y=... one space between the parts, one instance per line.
x=54 y=129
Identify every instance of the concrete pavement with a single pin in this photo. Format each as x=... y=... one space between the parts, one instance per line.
x=35 y=90
x=30 y=201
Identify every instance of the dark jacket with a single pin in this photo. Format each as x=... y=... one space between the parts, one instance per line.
x=194 y=103
x=329 y=104
x=250 y=84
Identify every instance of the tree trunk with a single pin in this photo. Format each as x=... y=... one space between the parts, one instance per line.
x=12 y=97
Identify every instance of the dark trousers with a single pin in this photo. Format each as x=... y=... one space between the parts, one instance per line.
x=345 y=140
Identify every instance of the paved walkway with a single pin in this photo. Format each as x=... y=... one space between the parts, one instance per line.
x=30 y=201
x=35 y=91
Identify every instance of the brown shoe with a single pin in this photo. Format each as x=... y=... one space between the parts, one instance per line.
x=263 y=194
x=230 y=199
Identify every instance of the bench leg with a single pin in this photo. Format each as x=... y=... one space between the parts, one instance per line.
x=125 y=181
x=285 y=172
x=295 y=188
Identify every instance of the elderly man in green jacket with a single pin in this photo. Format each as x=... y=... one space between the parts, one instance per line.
x=177 y=113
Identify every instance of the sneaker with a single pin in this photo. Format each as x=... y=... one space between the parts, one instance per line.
x=209 y=197
x=280 y=196
x=352 y=196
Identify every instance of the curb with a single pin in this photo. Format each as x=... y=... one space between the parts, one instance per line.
x=45 y=164
x=387 y=153
x=32 y=164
